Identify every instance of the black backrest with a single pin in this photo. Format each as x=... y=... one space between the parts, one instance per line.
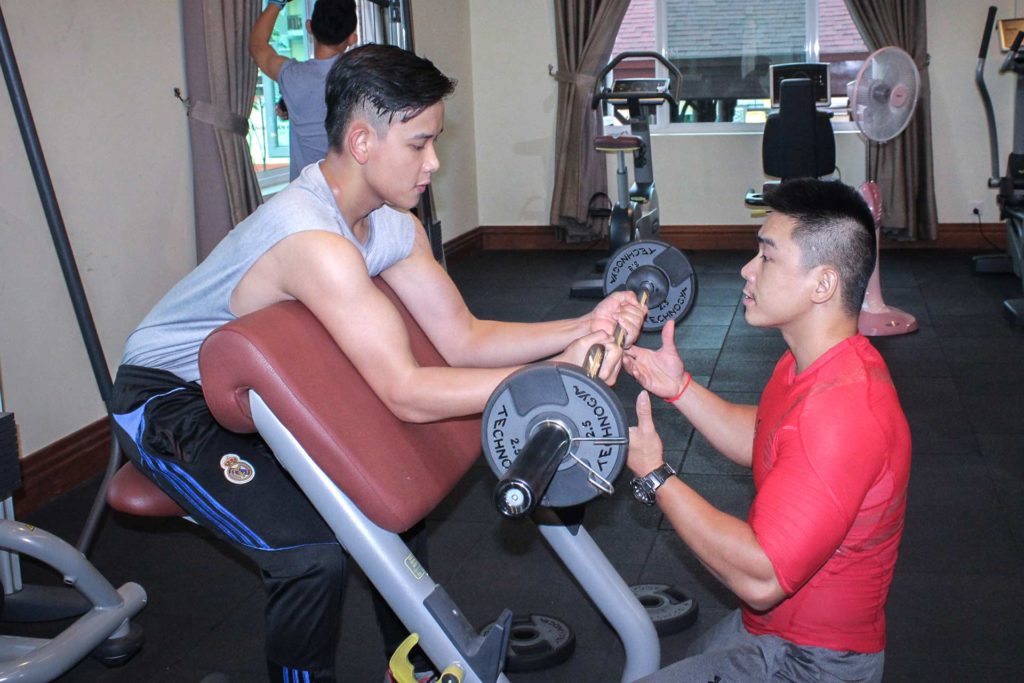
x=798 y=140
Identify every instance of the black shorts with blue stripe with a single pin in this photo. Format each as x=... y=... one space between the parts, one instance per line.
x=232 y=485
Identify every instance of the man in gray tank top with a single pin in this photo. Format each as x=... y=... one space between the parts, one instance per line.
x=333 y=28
x=319 y=242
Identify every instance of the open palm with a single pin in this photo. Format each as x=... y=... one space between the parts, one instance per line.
x=658 y=371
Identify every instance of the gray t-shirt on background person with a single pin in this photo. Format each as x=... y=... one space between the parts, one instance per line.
x=170 y=336
x=302 y=86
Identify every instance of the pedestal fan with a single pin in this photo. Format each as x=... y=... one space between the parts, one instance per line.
x=882 y=101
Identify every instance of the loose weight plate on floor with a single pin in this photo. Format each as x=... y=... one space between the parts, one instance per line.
x=668 y=607
x=561 y=393
x=538 y=641
x=677 y=283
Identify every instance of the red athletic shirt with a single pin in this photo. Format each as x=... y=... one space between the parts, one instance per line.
x=831 y=460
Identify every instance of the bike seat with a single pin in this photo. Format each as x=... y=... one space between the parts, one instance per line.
x=611 y=144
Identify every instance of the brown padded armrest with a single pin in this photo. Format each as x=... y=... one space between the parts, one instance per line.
x=395 y=472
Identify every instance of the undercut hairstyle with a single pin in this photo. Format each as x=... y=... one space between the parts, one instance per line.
x=380 y=83
x=333 y=21
x=834 y=226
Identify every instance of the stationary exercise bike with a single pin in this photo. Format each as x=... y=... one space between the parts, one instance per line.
x=634 y=216
x=1010 y=195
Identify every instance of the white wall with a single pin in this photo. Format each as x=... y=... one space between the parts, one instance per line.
x=514 y=100
x=99 y=77
x=702 y=179
x=961 y=145
x=442 y=34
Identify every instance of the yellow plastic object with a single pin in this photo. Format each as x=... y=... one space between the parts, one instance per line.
x=451 y=674
x=401 y=668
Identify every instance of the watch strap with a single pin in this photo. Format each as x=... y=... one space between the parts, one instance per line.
x=660 y=475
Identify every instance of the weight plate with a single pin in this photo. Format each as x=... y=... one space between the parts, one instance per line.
x=670 y=264
x=668 y=607
x=562 y=393
x=538 y=642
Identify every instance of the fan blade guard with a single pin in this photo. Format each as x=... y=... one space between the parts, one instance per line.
x=884 y=94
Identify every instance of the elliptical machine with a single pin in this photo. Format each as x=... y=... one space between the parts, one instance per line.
x=634 y=216
x=1010 y=195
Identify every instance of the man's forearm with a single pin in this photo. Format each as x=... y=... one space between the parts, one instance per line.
x=264 y=27
x=492 y=343
x=724 y=544
x=429 y=393
x=728 y=427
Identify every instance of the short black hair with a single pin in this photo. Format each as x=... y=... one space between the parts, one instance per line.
x=383 y=81
x=834 y=226
x=333 y=21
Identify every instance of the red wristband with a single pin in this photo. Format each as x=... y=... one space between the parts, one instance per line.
x=686 y=384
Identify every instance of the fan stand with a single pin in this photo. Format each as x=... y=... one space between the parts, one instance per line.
x=876 y=318
x=882 y=96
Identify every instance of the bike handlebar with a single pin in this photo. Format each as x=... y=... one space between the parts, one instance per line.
x=1011 y=56
x=989 y=23
x=986 y=101
x=674 y=75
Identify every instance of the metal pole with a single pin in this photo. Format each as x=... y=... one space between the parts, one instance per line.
x=65 y=256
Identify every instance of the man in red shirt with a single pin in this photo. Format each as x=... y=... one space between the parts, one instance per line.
x=829 y=447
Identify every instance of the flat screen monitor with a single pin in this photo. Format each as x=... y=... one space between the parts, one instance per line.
x=815 y=71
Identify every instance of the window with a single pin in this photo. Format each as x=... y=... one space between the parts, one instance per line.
x=723 y=49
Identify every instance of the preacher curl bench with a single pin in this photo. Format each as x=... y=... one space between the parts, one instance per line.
x=372 y=476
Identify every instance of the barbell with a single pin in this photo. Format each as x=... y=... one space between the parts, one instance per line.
x=556 y=435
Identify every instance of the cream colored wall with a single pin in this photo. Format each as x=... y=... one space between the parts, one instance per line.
x=442 y=34
x=702 y=179
x=99 y=77
x=514 y=101
x=961 y=147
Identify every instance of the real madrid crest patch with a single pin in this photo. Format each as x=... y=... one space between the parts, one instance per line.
x=236 y=470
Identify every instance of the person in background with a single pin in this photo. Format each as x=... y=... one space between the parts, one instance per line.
x=333 y=28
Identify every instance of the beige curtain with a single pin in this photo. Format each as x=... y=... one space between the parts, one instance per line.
x=585 y=32
x=905 y=176
x=221 y=85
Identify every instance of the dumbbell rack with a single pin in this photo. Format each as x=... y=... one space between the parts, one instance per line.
x=425 y=607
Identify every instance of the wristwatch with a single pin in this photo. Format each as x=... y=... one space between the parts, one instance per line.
x=644 y=487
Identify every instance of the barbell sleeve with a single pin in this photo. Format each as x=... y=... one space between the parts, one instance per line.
x=519 y=491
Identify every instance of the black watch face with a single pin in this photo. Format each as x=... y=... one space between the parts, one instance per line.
x=641 y=491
